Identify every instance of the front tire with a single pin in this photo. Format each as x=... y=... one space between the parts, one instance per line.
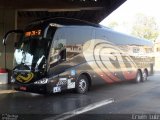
x=82 y=84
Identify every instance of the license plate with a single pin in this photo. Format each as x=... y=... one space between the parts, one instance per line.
x=23 y=88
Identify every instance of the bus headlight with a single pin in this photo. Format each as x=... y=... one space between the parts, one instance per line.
x=12 y=80
x=42 y=81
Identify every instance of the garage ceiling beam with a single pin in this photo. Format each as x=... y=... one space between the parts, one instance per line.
x=89 y=10
x=50 y=4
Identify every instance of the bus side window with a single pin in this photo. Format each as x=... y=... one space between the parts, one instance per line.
x=54 y=57
x=58 y=52
x=76 y=38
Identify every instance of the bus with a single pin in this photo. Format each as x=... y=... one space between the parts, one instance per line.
x=57 y=54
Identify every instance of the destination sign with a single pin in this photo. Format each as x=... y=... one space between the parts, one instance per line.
x=33 y=33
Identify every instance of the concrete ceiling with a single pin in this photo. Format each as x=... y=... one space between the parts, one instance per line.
x=89 y=10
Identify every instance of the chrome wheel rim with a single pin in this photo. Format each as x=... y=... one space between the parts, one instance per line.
x=138 y=77
x=144 y=76
x=82 y=85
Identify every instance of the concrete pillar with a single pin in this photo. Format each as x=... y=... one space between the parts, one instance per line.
x=157 y=54
x=8 y=21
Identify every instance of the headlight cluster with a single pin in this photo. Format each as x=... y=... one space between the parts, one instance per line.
x=42 y=81
x=12 y=80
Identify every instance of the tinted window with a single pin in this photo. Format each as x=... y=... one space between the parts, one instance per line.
x=76 y=37
x=58 y=48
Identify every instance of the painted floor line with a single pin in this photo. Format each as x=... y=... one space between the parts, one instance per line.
x=81 y=110
x=7 y=91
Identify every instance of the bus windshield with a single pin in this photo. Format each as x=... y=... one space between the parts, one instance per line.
x=31 y=51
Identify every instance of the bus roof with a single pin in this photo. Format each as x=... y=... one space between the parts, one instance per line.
x=63 y=21
x=117 y=37
x=122 y=38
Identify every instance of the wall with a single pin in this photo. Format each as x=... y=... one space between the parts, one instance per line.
x=8 y=20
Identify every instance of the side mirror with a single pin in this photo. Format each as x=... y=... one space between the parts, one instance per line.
x=5 y=39
x=8 y=33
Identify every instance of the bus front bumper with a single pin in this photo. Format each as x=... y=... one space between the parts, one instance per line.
x=31 y=88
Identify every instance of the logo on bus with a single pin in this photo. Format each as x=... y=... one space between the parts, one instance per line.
x=25 y=78
x=110 y=62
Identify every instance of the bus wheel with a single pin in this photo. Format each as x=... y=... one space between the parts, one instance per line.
x=82 y=84
x=138 y=77
x=145 y=75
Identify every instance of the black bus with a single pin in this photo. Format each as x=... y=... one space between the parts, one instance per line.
x=57 y=54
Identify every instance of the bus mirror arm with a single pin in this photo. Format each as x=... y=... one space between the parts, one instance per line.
x=5 y=39
x=9 y=32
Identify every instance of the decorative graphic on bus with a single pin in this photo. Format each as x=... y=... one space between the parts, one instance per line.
x=108 y=61
x=25 y=78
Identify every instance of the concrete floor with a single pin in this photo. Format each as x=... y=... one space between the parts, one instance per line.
x=129 y=99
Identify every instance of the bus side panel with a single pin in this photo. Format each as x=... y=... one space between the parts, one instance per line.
x=99 y=55
x=109 y=62
x=141 y=51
